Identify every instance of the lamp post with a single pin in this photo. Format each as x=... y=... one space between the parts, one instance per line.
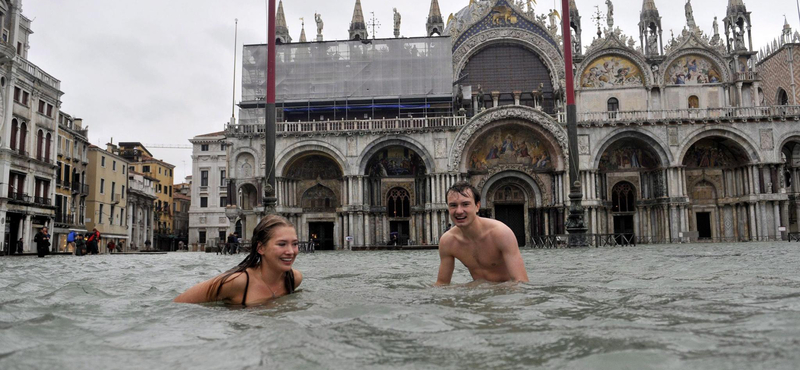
x=575 y=223
x=270 y=200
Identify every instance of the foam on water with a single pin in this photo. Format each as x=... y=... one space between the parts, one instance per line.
x=651 y=307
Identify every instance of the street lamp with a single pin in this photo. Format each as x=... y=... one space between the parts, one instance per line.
x=575 y=223
x=270 y=200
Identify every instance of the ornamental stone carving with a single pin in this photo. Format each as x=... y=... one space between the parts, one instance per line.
x=547 y=51
x=536 y=177
x=631 y=56
x=711 y=55
x=502 y=113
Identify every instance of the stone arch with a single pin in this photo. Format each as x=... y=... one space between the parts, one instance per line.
x=534 y=42
x=467 y=135
x=319 y=198
x=647 y=75
x=781 y=98
x=664 y=155
x=718 y=61
x=289 y=155
x=247 y=195
x=246 y=166
x=531 y=187
x=745 y=143
x=791 y=137
x=385 y=142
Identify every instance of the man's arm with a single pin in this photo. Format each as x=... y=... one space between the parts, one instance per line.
x=447 y=263
x=511 y=256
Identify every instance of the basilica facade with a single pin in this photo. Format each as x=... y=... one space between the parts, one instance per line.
x=676 y=140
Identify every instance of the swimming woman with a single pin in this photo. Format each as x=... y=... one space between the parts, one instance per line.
x=265 y=274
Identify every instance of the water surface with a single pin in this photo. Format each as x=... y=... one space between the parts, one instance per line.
x=654 y=307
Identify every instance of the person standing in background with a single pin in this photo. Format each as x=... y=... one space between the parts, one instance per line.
x=94 y=239
x=42 y=240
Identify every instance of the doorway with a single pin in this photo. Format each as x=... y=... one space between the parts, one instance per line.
x=399 y=228
x=321 y=233
x=703 y=225
x=623 y=224
x=513 y=215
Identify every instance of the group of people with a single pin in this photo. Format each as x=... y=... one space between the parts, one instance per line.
x=487 y=247
x=88 y=244
x=231 y=245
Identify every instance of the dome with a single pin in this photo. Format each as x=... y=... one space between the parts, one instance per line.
x=464 y=16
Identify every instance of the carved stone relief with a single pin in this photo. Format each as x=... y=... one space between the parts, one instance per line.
x=767 y=141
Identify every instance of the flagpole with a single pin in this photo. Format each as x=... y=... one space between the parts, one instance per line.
x=270 y=200
x=575 y=223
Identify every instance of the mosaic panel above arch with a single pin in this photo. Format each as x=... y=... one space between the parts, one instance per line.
x=693 y=69
x=396 y=161
x=714 y=152
x=508 y=145
x=612 y=71
x=628 y=154
x=314 y=167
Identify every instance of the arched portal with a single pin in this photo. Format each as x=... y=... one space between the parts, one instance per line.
x=509 y=208
x=718 y=178
x=631 y=169
x=790 y=157
x=248 y=197
x=391 y=167
x=313 y=180
x=398 y=211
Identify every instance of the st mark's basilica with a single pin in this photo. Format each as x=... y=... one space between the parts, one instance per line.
x=681 y=137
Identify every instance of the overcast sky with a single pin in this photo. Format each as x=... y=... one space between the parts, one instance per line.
x=161 y=71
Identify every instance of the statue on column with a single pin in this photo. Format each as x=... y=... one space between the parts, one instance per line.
x=690 y=16
x=610 y=15
x=739 y=39
x=652 y=43
x=715 y=26
x=318 y=19
x=396 y=23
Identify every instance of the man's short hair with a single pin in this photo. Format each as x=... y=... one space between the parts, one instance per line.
x=461 y=187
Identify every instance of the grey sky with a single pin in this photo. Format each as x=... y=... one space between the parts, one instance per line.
x=161 y=71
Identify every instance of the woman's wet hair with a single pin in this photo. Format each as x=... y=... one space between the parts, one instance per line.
x=264 y=231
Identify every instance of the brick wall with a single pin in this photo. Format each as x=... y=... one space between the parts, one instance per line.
x=775 y=74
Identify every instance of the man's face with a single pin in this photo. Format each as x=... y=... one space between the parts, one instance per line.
x=44 y=230
x=462 y=208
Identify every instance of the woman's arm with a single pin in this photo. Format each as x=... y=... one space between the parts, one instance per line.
x=298 y=278
x=233 y=286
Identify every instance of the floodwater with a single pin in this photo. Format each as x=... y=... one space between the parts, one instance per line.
x=650 y=307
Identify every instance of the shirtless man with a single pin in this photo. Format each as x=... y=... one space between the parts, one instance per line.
x=488 y=248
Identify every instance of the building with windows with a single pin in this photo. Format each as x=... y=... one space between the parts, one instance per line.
x=141 y=209
x=107 y=204
x=182 y=199
x=209 y=188
x=142 y=161
x=71 y=187
x=29 y=110
x=780 y=66
x=676 y=139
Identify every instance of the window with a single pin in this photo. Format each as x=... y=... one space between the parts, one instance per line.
x=42 y=106
x=17 y=95
x=170 y=191
x=159 y=170
x=203 y=178
x=203 y=202
x=123 y=190
x=221 y=235
x=223 y=201
x=113 y=188
x=146 y=169
x=204 y=148
x=783 y=97
x=123 y=170
x=202 y=237
x=694 y=102
x=613 y=107
x=102 y=161
x=14 y=129
x=100 y=216
x=49 y=110
x=113 y=165
x=222 y=178
x=222 y=146
x=102 y=186
x=121 y=216
x=25 y=96
x=174 y=207
x=48 y=142
x=159 y=188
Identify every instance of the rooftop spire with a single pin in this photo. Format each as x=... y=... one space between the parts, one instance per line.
x=303 y=31
x=435 y=23
x=358 y=28
x=649 y=5
x=281 y=30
